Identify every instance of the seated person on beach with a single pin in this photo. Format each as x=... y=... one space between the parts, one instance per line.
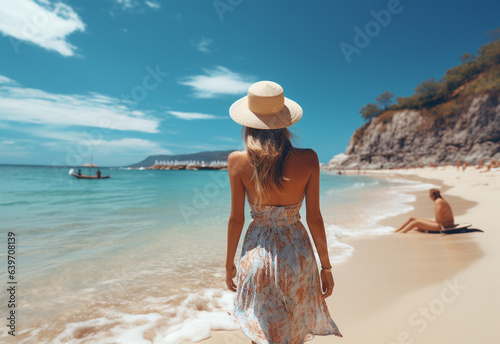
x=487 y=169
x=444 y=217
x=493 y=164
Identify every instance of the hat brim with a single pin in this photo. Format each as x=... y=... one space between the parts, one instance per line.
x=241 y=114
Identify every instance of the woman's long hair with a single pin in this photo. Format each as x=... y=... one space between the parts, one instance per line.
x=268 y=150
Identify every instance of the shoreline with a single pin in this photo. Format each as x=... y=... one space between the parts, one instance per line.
x=416 y=287
x=422 y=206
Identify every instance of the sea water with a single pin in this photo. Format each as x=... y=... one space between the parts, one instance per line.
x=139 y=257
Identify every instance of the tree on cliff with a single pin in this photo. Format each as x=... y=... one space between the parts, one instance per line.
x=385 y=99
x=457 y=76
x=489 y=54
x=466 y=58
x=430 y=90
x=369 y=111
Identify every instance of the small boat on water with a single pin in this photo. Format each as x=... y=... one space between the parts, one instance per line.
x=83 y=176
x=97 y=175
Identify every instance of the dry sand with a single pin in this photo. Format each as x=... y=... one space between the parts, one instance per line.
x=416 y=287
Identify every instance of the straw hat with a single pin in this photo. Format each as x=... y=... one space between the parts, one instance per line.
x=265 y=107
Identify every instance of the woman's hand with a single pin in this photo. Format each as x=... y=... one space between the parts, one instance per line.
x=327 y=283
x=230 y=274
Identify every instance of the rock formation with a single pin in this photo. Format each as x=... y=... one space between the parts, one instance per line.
x=468 y=132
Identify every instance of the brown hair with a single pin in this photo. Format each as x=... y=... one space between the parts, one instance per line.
x=435 y=193
x=268 y=150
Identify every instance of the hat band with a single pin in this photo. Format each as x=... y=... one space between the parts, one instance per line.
x=266 y=105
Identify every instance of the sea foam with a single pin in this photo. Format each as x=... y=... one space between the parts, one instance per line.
x=374 y=201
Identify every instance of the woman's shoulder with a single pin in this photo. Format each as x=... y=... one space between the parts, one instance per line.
x=305 y=151
x=236 y=156
x=236 y=160
x=306 y=155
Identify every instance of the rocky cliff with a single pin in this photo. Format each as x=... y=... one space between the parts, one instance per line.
x=468 y=131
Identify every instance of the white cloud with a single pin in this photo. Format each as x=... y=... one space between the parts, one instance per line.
x=136 y=5
x=44 y=23
x=193 y=115
x=126 y=151
x=218 y=82
x=17 y=153
x=8 y=142
x=134 y=144
x=122 y=151
x=153 y=4
x=26 y=105
x=203 y=44
x=126 y=4
x=4 y=80
x=87 y=136
x=75 y=147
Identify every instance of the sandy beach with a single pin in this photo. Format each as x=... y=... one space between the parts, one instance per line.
x=416 y=287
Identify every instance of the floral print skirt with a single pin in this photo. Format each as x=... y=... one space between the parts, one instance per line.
x=279 y=298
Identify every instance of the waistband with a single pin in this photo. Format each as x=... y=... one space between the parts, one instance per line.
x=278 y=219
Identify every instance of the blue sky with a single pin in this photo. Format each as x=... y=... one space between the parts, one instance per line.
x=123 y=79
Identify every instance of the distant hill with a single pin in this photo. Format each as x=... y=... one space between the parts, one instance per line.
x=207 y=156
x=455 y=118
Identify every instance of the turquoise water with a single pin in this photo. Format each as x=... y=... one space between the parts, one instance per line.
x=144 y=247
x=88 y=218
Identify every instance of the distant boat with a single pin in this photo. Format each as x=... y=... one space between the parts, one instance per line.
x=83 y=176
x=97 y=175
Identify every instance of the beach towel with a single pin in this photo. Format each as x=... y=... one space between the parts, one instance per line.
x=456 y=229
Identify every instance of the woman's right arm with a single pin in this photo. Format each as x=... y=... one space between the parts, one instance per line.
x=313 y=212
x=316 y=224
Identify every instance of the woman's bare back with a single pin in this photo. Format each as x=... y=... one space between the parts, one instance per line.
x=443 y=212
x=297 y=169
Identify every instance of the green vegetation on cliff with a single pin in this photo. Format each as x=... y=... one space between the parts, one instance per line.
x=476 y=75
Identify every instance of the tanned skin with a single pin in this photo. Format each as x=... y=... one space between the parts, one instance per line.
x=302 y=169
x=444 y=218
